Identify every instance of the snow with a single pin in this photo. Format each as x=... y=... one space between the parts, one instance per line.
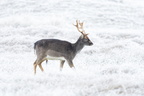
x=113 y=66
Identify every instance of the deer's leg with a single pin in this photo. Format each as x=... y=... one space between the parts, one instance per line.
x=46 y=61
x=38 y=62
x=40 y=66
x=70 y=63
x=35 y=65
x=61 y=64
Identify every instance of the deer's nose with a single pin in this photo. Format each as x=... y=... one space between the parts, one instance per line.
x=90 y=43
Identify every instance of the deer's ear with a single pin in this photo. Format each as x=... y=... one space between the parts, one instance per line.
x=81 y=36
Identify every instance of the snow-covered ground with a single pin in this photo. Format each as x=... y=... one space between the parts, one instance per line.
x=113 y=66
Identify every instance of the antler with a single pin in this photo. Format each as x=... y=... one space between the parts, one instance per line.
x=79 y=27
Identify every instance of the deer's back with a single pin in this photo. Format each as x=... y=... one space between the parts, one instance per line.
x=54 y=45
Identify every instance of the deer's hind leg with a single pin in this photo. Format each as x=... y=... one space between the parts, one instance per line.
x=40 y=66
x=39 y=62
x=35 y=66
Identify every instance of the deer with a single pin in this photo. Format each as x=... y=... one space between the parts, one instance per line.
x=55 y=49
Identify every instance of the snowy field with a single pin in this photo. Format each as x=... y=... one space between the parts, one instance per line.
x=113 y=66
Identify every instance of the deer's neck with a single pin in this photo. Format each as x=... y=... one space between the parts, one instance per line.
x=78 y=46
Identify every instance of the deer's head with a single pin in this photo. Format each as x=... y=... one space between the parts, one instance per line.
x=84 y=37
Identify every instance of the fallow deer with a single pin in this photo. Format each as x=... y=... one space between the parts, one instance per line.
x=54 y=49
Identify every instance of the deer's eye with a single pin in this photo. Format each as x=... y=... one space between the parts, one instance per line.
x=85 y=40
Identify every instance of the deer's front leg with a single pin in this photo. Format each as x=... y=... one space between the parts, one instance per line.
x=61 y=64
x=70 y=63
